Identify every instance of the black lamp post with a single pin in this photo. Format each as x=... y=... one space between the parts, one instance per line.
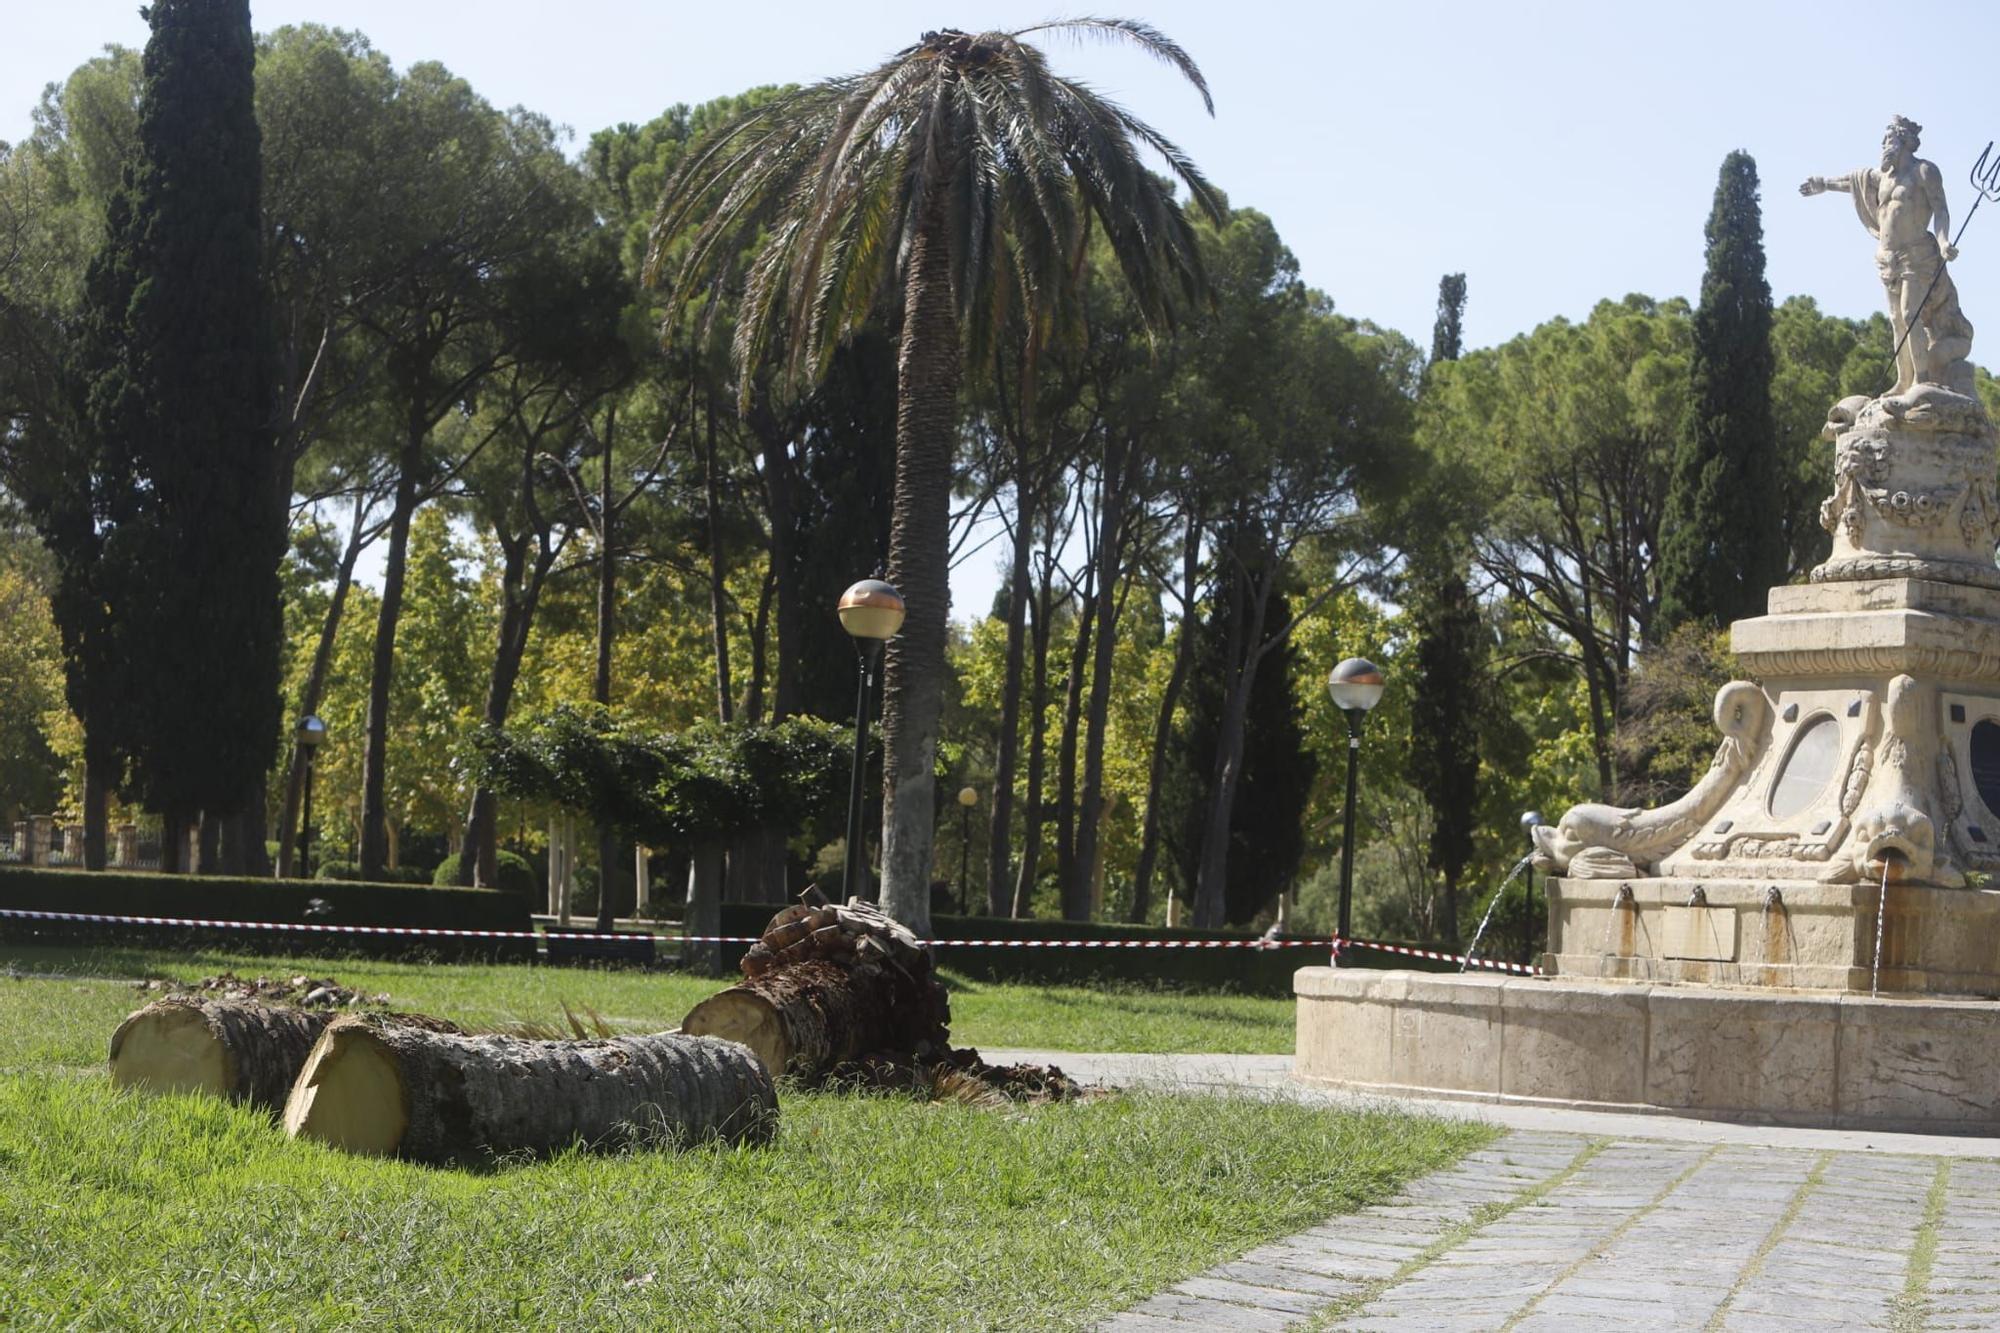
x=1356 y=687
x=967 y=798
x=871 y=612
x=311 y=734
x=1530 y=821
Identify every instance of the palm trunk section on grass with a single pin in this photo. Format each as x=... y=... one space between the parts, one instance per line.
x=927 y=381
x=377 y=1087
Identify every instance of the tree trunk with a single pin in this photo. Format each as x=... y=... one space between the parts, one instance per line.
x=1038 y=695
x=375 y=757
x=607 y=612
x=927 y=380
x=1211 y=893
x=826 y=985
x=760 y=635
x=1079 y=889
x=96 y=812
x=1163 y=732
x=309 y=697
x=780 y=490
x=1066 y=753
x=173 y=843
x=240 y=1050
x=999 y=840
x=244 y=1051
x=379 y=1088
x=718 y=575
x=243 y=849
x=208 y=847
x=703 y=916
x=479 y=855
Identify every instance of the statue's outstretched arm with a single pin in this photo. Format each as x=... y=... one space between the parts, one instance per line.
x=1821 y=184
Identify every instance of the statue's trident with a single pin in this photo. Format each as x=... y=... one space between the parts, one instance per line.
x=1985 y=185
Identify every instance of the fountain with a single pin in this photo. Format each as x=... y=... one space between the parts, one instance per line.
x=1864 y=757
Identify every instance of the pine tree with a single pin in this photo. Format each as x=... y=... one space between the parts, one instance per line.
x=189 y=395
x=1719 y=551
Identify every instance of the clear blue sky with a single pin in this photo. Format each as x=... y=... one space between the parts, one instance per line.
x=1556 y=153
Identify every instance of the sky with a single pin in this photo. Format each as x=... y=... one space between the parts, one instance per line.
x=1558 y=154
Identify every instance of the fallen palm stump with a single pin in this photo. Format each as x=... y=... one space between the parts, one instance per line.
x=825 y=986
x=374 y=1086
x=241 y=1050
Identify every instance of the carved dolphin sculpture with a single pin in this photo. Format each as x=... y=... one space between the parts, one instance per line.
x=1609 y=842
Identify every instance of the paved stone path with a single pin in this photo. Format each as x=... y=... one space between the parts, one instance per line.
x=1580 y=1222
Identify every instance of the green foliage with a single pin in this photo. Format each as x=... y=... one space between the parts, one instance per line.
x=350 y=872
x=1446 y=698
x=1719 y=552
x=1666 y=733
x=516 y=875
x=1447 y=333
x=664 y=789
x=187 y=387
x=215 y=897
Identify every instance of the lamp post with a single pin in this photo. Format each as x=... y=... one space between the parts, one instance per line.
x=1356 y=687
x=310 y=735
x=967 y=798
x=871 y=612
x=1530 y=821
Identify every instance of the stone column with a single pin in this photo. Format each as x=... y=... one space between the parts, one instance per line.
x=41 y=835
x=126 y=852
x=72 y=844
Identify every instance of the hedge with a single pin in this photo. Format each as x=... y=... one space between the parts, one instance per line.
x=1253 y=971
x=119 y=893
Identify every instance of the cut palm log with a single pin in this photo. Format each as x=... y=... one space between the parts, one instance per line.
x=242 y=1050
x=825 y=985
x=377 y=1087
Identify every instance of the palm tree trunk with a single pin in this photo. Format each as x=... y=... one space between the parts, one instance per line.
x=927 y=382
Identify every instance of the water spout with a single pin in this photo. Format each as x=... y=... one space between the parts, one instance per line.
x=1892 y=866
x=1772 y=898
x=1624 y=899
x=1498 y=894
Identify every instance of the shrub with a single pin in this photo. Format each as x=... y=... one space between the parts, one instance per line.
x=516 y=875
x=350 y=872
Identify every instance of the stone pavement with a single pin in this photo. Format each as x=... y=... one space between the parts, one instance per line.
x=1581 y=1221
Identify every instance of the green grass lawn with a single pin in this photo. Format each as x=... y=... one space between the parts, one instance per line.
x=985 y=1014
x=865 y=1212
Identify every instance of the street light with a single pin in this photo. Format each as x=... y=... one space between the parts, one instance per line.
x=311 y=734
x=1530 y=821
x=871 y=612
x=1356 y=687
x=967 y=798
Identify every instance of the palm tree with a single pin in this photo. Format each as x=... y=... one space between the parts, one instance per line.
x=955 y=187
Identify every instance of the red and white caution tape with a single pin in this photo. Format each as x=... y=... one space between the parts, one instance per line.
x=1519 y=969
x=328 y=928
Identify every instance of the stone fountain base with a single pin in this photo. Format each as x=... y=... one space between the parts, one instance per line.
x=1936 y=941
x=1814 y=1058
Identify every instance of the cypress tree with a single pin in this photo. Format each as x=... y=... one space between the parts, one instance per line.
x=1445 y=334
x=189 y=396
x=1720 y=552
x=1443 y=761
